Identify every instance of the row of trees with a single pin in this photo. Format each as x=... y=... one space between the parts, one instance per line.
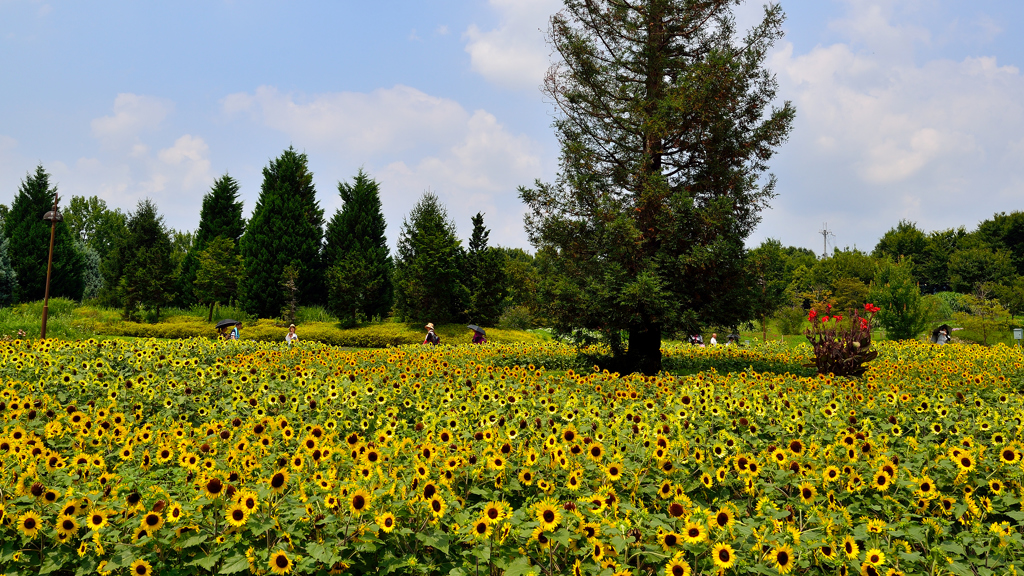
x=284 y=256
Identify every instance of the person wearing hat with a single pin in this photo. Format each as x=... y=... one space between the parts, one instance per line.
x=432 y=338
x=291 y=336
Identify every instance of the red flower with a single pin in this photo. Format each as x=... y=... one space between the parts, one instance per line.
x=863 y=324
x=824 y=318
x=838 y=318
x=813 y=314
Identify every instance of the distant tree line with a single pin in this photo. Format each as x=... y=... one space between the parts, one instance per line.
x=284 y=256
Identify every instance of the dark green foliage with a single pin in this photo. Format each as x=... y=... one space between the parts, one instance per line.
x=220 y=269
x=933 y=269
x=767 y=269
x=29 y=244
x=356 y=254
x=904 y=313
x=286 y=229
x=220 y=216
x=906 y=240
x=666 y=126
x=96 y=225
x=1005 y=232
x=428 y=273
x=92 y=278
x=147 y=278
x=850 y=294
x=485 y=276
x=971 y=268
x=8 y=277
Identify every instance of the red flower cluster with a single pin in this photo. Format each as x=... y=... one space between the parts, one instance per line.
x=871 y=308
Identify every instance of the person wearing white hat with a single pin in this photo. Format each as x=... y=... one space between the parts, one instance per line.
x=432 y=338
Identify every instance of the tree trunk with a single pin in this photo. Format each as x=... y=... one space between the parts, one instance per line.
x=644 y=354
x=210 y=317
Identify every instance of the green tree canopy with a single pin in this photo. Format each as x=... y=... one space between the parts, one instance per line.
x=355 y=244
x=767 y=265
x=428 y=273
x=666 y=126
x=8 y=277
x=485 y=276
x=904 y=313
x=220 y=269
x=220 y=216
x=905 y=240
x=971 y=268
x=147 y=277
x=29 y=246
x=286 y=229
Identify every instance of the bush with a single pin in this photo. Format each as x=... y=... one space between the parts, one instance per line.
x=790 y=320
x=516 y=318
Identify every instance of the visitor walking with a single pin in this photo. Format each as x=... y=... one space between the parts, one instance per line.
x=291 y=336
x=432 y=338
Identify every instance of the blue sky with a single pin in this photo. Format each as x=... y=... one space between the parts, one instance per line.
x=906 y=109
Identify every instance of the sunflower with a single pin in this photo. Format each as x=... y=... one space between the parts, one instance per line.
x=385 y=521
x=996 y=486
x=874 y=556
x=591 y=530
x=850 y=547
x=437 y=506
x=481 y=529
x=827 y=551
x=526 y=477
x=881 y=481
x=359 y=501
x=783 y=559
x=140 y=568
x=67 y=526
x=694 y=533
x=547 y=514
x=280 y=563
x=807 y=493
x=926 y=488
x=278 y=482
x=152 y=522
x=722 y=519
x=236 y=514
x=494 y=512
x=723 y=556
x=669 y=541
x=677 y=567
x=707 y=480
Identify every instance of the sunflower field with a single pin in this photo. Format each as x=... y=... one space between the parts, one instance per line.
x=195 y=457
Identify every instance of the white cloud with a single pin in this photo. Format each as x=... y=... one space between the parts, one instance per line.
x=441 y=30
x=133 y=115
x=410 y=141
x=513 y=55
x=879 y=137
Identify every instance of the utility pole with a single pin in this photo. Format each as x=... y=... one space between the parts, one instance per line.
x=825 y=233
x=53 y=217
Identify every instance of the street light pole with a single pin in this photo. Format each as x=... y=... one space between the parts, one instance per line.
x=54 y=217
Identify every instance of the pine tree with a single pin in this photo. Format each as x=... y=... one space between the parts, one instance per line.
x=220 y=269
x=147 y=277
x=29 y=245
x=286 y=229
x=356 y=250
x=8 y=277
x=428 y=285
x=220 y=216
x=666 y=129
x=485 y=278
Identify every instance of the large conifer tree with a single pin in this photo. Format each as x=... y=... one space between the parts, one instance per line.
x=485 y=276
x=286 y=229
x=8 y=277
x=428 y=273
x=29 y=245
x=220 y=216
x=666 y=128
x=356 y=249
x=147 y=277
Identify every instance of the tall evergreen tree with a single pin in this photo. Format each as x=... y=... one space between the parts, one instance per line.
x=29 y=245
x=355 y=247
x=428 y=285
x=8 y=277
x=485 y=278
x=147 y=277
x=220 y=268
x=220 y=216
x=666 y=127
x=286 y=228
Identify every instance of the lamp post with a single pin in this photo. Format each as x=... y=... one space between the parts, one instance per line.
x=53 y=216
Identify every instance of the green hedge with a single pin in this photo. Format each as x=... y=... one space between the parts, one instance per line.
x=370 y=336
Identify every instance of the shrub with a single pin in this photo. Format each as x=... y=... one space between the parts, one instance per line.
x=841 y=348
x=790 y=320
x=516 y=318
